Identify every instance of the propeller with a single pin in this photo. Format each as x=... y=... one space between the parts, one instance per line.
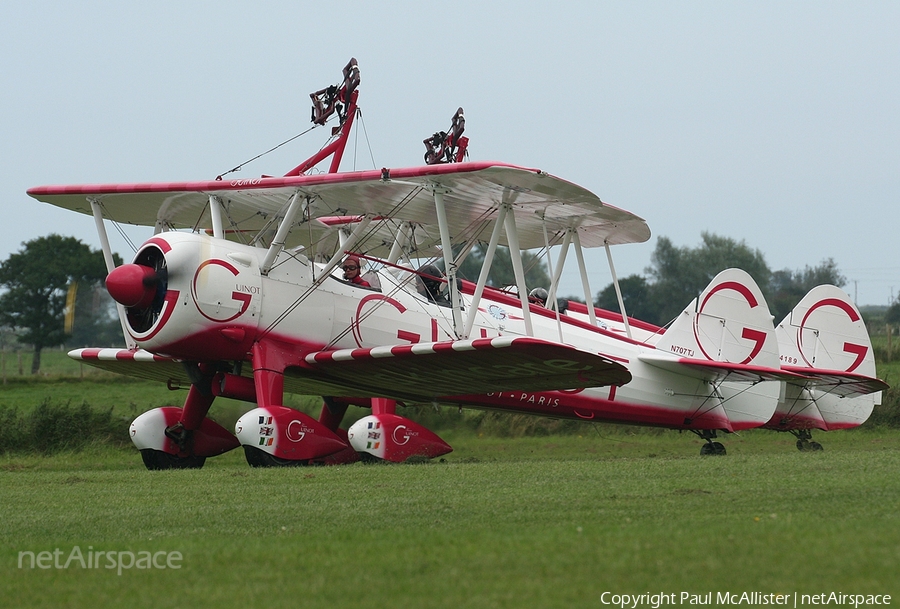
x=141 y=288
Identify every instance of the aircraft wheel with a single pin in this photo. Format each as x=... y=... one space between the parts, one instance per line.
x=156 y=460
x=713 y=448
x=260 y=458
x=370 y=459
x=803 y=445
x=815 y=446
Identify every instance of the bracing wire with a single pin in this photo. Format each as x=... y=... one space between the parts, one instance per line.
x=287 y=141
x=125 y=236
x=366 y=134
x=399 y=206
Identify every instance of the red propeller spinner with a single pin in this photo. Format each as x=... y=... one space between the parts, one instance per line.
x=132 y=285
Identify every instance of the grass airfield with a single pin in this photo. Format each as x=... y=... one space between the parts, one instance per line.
x=548 y=521
x=536 y=522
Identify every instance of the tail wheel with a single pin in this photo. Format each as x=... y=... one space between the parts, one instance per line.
x=156 y=460
x=713 y=448
x=805 y=442
x=710 y=448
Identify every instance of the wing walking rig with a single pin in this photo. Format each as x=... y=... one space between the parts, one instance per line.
x=239 y=293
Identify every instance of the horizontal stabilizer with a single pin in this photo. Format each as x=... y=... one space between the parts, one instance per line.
x=427 y=371
x=836 y=382
x=719 y=372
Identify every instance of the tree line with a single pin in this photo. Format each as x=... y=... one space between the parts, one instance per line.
x=676 y=275
x=54 y=274
x=45 y=278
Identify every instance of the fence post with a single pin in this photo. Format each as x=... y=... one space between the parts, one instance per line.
x=889 y=332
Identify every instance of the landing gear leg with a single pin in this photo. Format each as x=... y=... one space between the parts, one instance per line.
x=332 y=413
x=710 y=448
x=805 y=441
x=182 y=434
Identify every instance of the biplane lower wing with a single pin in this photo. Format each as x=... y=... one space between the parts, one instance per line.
x=426 y=371
x=134 y=362
x=418 y=372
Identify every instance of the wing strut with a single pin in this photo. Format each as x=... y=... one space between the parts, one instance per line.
x=449 y=263
x=97 y=210
x=585 y=284
x=485 y=269
x=512 y=236
x=554 y=281
x=215 y=217
x=612 y=269
x=400 y=240
x=281 y=235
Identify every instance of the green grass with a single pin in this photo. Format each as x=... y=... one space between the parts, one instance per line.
x=537 y=522
x=534 y=521
x=54 y=362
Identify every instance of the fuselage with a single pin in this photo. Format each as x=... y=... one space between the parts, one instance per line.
x=214 y=305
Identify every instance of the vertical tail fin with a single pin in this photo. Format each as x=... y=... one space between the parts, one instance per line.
x=826 y=331
x=825 y=339
x=730 y=323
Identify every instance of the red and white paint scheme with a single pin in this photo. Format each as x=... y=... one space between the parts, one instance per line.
x=238 y=293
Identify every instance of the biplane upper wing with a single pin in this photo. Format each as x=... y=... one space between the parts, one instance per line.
x=420 y=372
x=472 y=194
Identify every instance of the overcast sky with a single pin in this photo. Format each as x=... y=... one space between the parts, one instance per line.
x=773 y=123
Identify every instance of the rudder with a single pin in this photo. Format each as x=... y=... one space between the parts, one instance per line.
x=730 y=322
x=825 y=338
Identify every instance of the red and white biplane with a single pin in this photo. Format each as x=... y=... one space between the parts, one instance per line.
x=239 y=294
